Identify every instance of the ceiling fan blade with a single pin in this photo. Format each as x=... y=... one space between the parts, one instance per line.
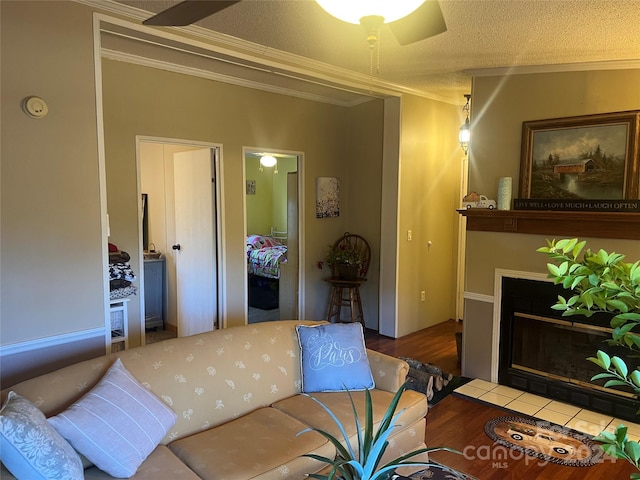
x=426 y=21
x=188 y=12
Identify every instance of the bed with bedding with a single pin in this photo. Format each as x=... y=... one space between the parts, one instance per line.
x=265 y=254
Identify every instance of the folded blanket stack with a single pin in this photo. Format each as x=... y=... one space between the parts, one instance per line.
x=121 y=275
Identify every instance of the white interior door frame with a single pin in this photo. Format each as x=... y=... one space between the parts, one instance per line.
x=219 y=215
x=462 y=244
x=301 y=222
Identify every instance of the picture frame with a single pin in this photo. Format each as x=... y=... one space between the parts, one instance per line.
x=584 y=158
x=327 y=197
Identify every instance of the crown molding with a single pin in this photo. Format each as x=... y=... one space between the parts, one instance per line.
x=283 y=62
x=195 y=72
x=556 y=68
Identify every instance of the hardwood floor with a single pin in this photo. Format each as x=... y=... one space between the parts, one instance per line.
x=458 y=423
x=436 y=345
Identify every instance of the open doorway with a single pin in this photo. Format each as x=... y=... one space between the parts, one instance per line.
x=272 y=210
x=179 y=222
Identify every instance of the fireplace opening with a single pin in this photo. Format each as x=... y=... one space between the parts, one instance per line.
x=546 y=354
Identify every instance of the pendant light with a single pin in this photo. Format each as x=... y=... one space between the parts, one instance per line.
x=464 y=135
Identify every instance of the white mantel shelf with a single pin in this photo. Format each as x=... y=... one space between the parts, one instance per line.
x=622 y=225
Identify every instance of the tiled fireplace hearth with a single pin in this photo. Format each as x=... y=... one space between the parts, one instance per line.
x=543 y=353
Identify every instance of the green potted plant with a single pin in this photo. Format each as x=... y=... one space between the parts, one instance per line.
x=603 y=282
x=347 y=261
x=364 y=464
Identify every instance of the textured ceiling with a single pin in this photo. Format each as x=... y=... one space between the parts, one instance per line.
x=481 y=34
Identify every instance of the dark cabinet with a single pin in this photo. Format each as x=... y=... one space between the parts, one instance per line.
x=154 y=286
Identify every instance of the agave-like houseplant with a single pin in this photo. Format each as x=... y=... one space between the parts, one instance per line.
x=364 y=464
x=603 y=282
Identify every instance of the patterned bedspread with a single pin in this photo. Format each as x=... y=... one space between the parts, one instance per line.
x=264 y=256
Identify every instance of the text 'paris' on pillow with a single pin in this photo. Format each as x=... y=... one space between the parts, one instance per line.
x=334 y=358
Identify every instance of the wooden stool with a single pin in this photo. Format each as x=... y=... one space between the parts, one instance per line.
x=338 y=299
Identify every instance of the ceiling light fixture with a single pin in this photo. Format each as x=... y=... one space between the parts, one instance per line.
x=269 y=161
x=353 y=11
x=464 y=135
x=371 y=14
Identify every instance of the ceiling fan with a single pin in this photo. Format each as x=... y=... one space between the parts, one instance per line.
x=424 y=22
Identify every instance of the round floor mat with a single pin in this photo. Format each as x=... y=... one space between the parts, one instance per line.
x=544 y=440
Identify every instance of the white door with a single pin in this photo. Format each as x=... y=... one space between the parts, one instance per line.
x=289 y=271
x=195 y=247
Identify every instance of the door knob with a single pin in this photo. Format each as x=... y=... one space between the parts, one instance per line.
x=176 y=246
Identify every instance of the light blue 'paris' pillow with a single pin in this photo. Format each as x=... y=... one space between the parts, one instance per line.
x=334 y=358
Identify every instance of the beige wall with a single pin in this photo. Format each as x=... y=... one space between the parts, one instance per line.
x=53 y=245
x=351 y=151
x=361 y=210
x=500 y=105
x=430 y=170
x=144 y=101
x=52 y=248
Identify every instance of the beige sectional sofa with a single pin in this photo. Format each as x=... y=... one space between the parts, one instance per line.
x=237 y=396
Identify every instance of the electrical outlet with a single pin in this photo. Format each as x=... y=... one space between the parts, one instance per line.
x=409 y=235
x=423 y=296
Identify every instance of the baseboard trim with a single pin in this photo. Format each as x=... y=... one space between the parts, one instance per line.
x=52 y=341
x=170 y=328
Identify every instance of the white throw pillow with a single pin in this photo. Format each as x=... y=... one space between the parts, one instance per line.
x=334 y=358
x=30 y=448
x=117 y=424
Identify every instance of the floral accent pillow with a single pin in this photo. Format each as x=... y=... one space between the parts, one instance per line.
x=31 y=448
x=334 y=358
x=117 y=424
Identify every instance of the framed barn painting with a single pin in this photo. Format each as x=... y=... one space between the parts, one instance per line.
x=591 y=157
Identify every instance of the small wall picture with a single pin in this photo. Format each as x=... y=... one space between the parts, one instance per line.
x=327 y=197
x=251 y=187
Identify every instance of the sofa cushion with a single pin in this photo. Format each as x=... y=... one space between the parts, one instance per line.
x=160 y=464
x=413 y=406
x=117 y=424
x=334 y=358
x=30 y=447
x=263 y=444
